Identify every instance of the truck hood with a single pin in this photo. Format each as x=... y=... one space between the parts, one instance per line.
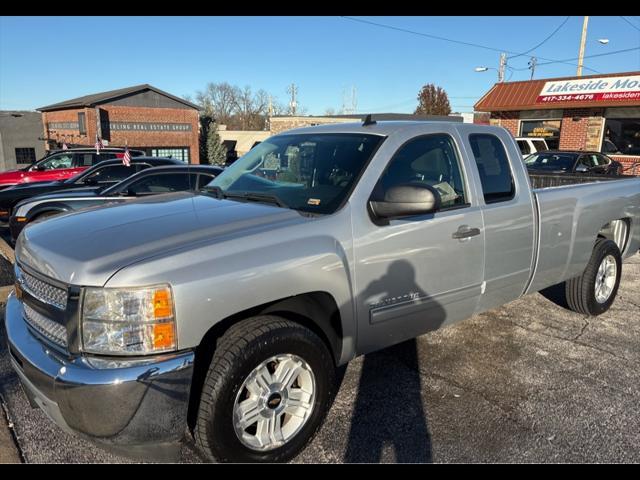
x=87 y=247
x=12 y=176
x=66 y=193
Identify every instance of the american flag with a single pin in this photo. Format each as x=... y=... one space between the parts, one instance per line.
x=98 y=144
x=126 y=158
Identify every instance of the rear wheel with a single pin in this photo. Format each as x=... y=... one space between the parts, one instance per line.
x=593 y=292
x=268 y=389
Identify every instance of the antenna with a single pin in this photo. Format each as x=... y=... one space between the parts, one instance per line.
x=367 y=121
x=349 y=102
x=292 y=90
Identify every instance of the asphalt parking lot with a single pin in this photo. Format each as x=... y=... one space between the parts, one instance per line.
x=528 y=382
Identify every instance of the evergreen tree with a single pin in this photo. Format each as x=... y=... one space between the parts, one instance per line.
x=216 y=151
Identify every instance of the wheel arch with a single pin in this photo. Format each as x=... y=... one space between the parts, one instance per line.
x=317 y=311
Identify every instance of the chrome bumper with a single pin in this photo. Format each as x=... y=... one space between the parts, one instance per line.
x=136 y=407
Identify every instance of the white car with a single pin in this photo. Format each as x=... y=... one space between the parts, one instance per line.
x=529 y=145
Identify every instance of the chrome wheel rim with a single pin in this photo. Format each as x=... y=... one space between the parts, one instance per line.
x=274 y=402
x=606 y=278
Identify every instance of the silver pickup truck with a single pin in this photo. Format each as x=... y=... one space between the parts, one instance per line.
x=223 y=314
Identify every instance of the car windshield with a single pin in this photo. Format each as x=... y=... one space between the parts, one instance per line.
x=306 y=172
x=550 y=161
x=540 y=145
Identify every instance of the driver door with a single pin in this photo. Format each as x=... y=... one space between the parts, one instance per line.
x=417 y=273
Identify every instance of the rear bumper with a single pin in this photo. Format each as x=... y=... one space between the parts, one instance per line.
x=135 y=407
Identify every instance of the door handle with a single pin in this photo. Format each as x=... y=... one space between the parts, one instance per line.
x=464 y=231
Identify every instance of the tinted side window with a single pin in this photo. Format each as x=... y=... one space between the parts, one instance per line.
x=524 y=147
x=493 y=166
x=85 y=159
x=161 y=183
x=204 y=179
x=112 y=173
x=429 y=160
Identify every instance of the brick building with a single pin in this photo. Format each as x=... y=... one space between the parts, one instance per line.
x=595 y=112
x=143 y=117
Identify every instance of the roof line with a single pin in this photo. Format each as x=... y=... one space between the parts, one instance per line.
x=94 y=99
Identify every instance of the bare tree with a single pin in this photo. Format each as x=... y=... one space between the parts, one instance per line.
x=251 y=109
x=329 y=111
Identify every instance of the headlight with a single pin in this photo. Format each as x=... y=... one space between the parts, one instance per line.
x=133 y=321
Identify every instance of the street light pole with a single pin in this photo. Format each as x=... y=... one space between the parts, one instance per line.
x=583 y=42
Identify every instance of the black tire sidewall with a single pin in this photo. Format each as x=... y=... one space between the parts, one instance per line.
x=297 y=341
x=602 y=250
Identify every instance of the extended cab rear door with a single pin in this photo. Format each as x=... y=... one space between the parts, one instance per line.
x=508 y=213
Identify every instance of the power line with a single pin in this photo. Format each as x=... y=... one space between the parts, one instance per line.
x=460 y=42
x=543 y=41
x=629 y=23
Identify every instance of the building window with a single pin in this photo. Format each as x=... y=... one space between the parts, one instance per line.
x=621 y=136
x=82 y=123
x=180 y=153
x=547 y=129
x=25 y=155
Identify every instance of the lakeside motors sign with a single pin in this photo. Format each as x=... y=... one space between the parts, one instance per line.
x=591 y=89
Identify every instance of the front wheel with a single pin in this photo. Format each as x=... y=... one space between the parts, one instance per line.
x=593 y=292
x=267 y=391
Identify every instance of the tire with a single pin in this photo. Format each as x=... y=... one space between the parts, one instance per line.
x=244 y=347
x=581 y=294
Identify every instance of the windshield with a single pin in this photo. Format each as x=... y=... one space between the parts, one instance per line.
x=540 y=145
x=306 y=172
x=550 y=161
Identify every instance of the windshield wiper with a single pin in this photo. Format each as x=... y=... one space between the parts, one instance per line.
x=249 y=196
x=217 y=191
x=257 y=197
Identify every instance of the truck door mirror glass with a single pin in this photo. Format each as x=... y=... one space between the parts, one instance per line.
x=405 y=200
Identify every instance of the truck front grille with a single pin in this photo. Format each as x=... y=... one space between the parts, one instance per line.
x=44 y=326
x=41 y=290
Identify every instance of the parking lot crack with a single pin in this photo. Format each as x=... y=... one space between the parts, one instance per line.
x=584 y=327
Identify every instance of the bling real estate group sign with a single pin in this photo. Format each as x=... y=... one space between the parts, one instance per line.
x=591 y=89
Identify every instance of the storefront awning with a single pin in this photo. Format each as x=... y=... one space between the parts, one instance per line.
x=604 y=90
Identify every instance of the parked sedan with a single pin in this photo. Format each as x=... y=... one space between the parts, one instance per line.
x=96 y=178
x=151 y=181
x=559 y=161
x=61 y=165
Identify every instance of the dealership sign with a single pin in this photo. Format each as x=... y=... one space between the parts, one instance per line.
x=591 y=89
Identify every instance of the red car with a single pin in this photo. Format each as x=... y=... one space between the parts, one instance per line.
x=61 y=165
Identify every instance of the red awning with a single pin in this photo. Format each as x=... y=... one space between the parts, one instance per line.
x=524 y=95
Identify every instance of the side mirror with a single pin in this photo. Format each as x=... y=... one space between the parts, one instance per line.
x=38 y=168
x=129 y=193
x=405 y=200
x=582 y=168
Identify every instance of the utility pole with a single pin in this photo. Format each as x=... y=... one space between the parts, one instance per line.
x=267 y=124
x=503 y=65
x=292 y=90
x=583 y=42
x=532 y=65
